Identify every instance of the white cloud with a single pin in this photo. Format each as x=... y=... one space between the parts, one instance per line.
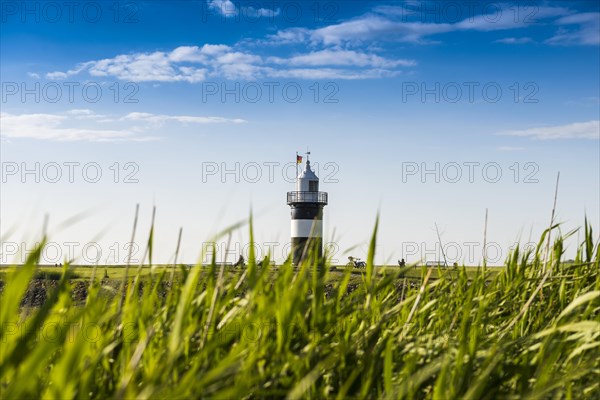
x=145 y=67
x=241 y=71
x=228 y=9
x=224 y=7
x=160 y=119
x=401 y=24
x=195 y=54
x=68 y=126
x=364 y=30
x=342 y=58
x=56 y=127
x=33 y=75
x=513 y=40
x=56 y=76
x=332 y=56
x=587 y=31
x=238 y=58
x=80 y=112
x=332 y=73
x=86 y=114
x=288 y=36
x=374 y=27
x=194 y=64
x=506 y=16
x=578 y=130
x=253 y=13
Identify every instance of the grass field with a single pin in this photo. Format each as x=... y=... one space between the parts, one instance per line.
x=337 y=271
x=528 y=330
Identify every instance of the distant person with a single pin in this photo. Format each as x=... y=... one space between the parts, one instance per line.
x=402 y=263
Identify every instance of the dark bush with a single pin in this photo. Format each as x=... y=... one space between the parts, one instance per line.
x=54 y=275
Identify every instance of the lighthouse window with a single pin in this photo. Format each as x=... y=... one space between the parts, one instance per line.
x=313 y=186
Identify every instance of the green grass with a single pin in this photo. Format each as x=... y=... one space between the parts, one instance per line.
x=117 y=272
x=529 y=330
x=86 y=272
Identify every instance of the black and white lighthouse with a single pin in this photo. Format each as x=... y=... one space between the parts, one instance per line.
x=307 y=205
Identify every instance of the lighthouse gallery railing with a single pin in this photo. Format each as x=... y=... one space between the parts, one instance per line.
x=307 y=197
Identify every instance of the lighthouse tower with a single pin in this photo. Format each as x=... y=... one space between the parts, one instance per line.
x=307 y=205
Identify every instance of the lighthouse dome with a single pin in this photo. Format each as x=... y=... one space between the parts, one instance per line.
x=308 y=173
x=307 y=180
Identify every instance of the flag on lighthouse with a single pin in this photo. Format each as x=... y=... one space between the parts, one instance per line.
x=298 y=159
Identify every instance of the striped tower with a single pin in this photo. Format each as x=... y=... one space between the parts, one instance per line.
x=307 y=205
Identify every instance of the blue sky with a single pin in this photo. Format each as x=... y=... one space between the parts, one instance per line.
x=373 y=89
